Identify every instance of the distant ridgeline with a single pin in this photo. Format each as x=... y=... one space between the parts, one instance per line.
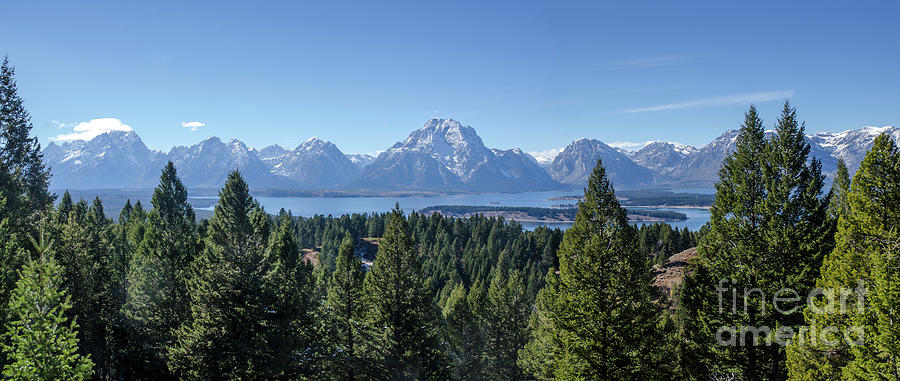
x=525 y=213
x=656 y=198
x=664 y=198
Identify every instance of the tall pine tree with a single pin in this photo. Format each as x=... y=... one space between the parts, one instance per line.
x=840 y=204
x=43 y=343
x=864 y=336
x=23 y=177
x=225 y=338
x=465 y=338
x=598 y=319
x=346 y=310
x=291 y=342
x=505 y=324
x=404 y=320
x=769 y=230
x=159 y=271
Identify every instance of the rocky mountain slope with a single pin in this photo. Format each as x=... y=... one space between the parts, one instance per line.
x=444 y=155
x=574 y=165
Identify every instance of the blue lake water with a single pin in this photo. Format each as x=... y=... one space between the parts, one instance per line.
x=336 y=206
x=309 y=206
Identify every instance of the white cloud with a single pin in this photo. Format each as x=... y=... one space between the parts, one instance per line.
x=723 y=100
x=90 y=129
x=546 y=156
x=58 y=124
x=192 y=125
x=629 y=146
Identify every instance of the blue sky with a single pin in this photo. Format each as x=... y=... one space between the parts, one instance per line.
x=524 y=74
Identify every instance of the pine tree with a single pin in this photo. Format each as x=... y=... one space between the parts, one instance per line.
x=839 y=191
x=345 y=305
x=401 y=313
x=64 y=208
x=12 y=256
x=43 y=342
x=23 y=177
x=289 y=287
x=23 y=184
x=225 y=338
x=505 y=324
x=598 y=320
x=158 y=299
x=466 y=340
x=866 y=255
x=769 y=230
x=798 y=229
x=81 y=252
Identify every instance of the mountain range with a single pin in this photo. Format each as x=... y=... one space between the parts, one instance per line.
x=442 y=156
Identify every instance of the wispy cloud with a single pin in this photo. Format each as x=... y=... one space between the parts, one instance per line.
x=716 y=101
x=644 y=62
x=90 y=129
x=193 y=125
x=629 y=146
x=546 y=156
x=58 y=124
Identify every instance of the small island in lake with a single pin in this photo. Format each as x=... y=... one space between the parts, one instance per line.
x=535 y=214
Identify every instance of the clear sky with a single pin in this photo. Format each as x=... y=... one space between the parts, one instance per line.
x=524 y=74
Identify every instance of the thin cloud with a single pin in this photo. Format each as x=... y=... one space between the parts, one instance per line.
x=92 y=128
x=645 y=62
x=193 y=125
x=546 y=156
x=629 y=146
x=717 y=101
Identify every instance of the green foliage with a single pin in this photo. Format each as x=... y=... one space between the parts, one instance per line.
x=225 y=337
x=43 y=343
x=12 y=257
x=346 y=311
x=158 y=272
x=769 y=229
x=505 y=323
x=405 y=338
x=664 y=198
x=23 y=177
x=598 y=319
x=661 y=241
x=465 y=338
x=840 y=189
x=289 y=292
x=866 y=253
x=562 y=214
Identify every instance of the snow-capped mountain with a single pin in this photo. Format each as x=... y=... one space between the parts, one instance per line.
x=576 y=162
x=207 y=164
x=272 y=151
x=112 y=160
x=442 y=156
x=850 y=145
x=545 y=158
x=445 y=155
x=662 y=157
x=361 y=160
x=314 y=164
x=700 y=168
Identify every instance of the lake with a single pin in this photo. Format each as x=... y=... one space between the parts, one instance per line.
x=336 y=206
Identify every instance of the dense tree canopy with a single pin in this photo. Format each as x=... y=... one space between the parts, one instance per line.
x=157 y=294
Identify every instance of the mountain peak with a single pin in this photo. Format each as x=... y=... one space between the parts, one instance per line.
x=313 y=143
x=438 y=123
x=211 y=140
